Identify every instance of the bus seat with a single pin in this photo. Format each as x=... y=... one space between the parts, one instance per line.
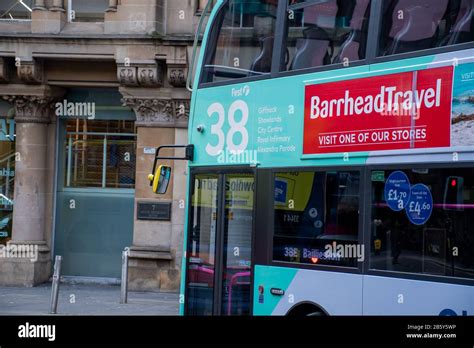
x=263 y=62
x=419 y=27
x=353 y=48
x=312 y=50
x=322 y=15
x=463 y=29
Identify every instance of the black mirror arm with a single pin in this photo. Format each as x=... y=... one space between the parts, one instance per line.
x=189 y=155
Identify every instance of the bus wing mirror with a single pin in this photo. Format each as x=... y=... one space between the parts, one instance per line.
x=160 y=179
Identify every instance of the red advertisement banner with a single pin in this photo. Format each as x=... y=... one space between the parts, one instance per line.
x=398 y=111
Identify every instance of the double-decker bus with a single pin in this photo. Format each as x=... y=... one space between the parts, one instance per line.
x=333 y=168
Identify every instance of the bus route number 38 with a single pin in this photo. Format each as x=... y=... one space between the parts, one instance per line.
x=236 y=127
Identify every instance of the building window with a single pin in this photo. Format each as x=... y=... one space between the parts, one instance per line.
x=88 y=11
x=100 y=154
x=416 y=25
x=7 y=177
x=16 y=9
x=325 y=33
x=201 y=5
x=316 y=218
x=422 y=221
x=243 y=41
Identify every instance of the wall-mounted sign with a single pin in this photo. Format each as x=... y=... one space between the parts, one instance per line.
x=397 y=111
x=149 y=150
x=154 y=211
x=378 y=175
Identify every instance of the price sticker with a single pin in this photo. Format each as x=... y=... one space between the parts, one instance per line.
x=397 y=191
x=420 y=204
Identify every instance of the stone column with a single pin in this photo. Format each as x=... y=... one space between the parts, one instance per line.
x=48 y=22
x=112 y=6
x=33 y=190
x=156 y=251
x=58 y=5
x=32 y=115
x=39 y=5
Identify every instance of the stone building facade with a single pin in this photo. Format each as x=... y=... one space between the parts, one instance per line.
x=129 y=60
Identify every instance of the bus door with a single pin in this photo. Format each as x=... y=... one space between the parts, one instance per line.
x=219 y=247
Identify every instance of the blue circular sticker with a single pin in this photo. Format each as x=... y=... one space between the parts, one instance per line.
x=397 y=191
x=420 y=205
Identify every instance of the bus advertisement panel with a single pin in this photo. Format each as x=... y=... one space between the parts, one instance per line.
x=396 y=111
x=428 y=103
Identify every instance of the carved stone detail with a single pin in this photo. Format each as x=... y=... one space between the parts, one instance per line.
x=177 y=76
x=137 y=74
x=159 y=112
x=4 y=72
x=32 y=109
x=127 y=75
x=151 y=111
x=30 y=72
x=181 y=112
x=150 y=75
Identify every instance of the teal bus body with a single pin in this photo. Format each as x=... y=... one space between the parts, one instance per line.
x=283 y=99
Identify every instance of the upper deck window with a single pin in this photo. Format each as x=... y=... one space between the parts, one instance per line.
x=412 y=25
x=241 y=41
x=329 y=32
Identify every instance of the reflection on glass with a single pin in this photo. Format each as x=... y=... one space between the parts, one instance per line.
x=444 y=243
x=100 y=154
x=237 y=244
x=325 y=33
x=7 y=178
x=413 y=25
x=16 y=9
x=243 y=44
x=317 y=218
x=201 y=246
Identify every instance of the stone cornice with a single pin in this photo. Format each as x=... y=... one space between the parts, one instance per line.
x=183 y=40
x=181 y=110
x=177 y=75
x=151 y=112
x=34 y=104
x=31 y=109
x=156 y=109
x=30 y=72
x=140 y=74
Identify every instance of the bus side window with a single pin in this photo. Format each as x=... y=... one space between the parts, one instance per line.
x=461 y=21
x=241 y=41
x=330 y=32
x=412 y=25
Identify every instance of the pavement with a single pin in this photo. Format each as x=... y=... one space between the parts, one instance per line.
x=86 y=299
